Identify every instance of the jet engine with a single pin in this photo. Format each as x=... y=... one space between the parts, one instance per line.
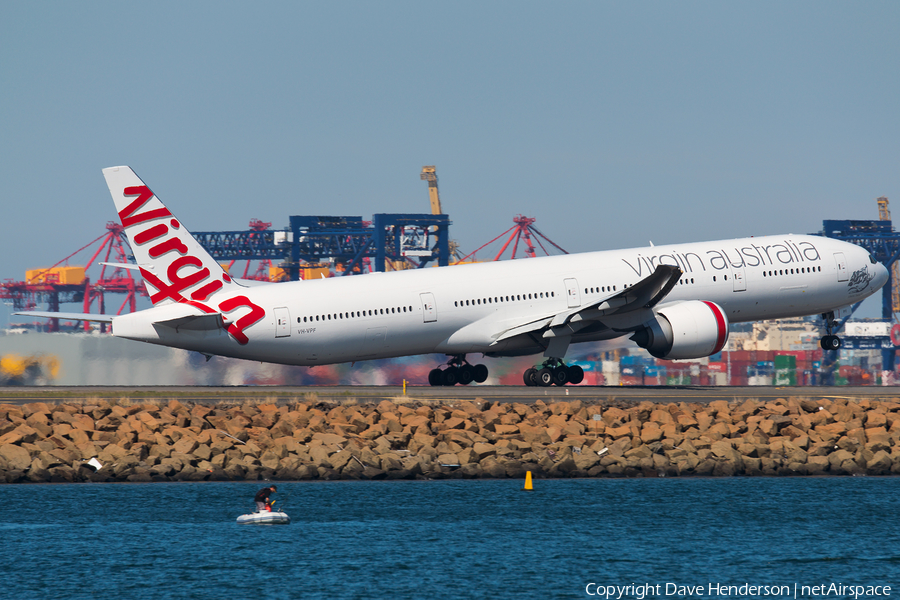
x=691 y=329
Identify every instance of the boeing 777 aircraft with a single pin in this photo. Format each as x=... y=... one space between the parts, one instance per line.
x=676 y=301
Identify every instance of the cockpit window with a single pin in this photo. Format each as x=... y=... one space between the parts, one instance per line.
x=872 y=259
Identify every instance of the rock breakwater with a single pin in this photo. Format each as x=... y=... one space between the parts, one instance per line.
x=182 y=441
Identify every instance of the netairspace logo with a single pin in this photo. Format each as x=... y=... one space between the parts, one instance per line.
x=642 y=591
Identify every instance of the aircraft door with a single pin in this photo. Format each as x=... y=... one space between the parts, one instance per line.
x=572 y=295
x=429 y=308
x=282 y=322
x=841 y=263
x=740 y=282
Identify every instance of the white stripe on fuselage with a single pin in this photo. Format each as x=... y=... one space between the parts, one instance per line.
x=330 y=320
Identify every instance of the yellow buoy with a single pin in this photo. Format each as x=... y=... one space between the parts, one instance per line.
x=528 y=487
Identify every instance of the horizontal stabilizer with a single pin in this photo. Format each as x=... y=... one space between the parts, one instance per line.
x=128 y=266
x=67 y=316
x=207 y=322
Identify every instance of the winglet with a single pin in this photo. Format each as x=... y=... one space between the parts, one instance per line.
x=175 y=267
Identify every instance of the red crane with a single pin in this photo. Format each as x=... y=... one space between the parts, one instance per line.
x=45 y=286
x=119 y=280
x=523 y=231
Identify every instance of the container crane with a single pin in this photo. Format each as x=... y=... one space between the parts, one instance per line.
x=523 y=231
x=62 y=283
x=429 y=174
x=884 y=214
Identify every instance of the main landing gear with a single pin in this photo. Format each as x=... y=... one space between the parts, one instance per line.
x=830 y=341
x=553 y=372
x=458 y=371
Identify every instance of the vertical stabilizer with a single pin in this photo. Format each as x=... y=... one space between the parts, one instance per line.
x=174 y=265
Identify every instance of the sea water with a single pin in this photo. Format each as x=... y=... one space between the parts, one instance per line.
x=447 y=540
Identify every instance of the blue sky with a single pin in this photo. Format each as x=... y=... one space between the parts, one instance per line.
x=611 y=123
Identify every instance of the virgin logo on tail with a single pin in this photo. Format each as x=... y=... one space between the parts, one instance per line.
x=186 y=280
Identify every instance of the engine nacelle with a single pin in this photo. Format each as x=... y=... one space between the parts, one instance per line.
x=691 y=329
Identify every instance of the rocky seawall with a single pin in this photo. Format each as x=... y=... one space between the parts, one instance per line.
x=175 y=441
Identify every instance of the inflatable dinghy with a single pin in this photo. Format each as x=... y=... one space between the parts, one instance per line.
x=265 y=518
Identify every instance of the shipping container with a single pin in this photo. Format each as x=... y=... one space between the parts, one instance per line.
x=277 y=274
x=785 y=377
x=718 y=378
x=785 y=361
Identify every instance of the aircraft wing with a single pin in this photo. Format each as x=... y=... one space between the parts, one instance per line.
x=66 y=316
x=645 y=294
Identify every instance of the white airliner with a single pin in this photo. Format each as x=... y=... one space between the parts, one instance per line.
x=676 y=301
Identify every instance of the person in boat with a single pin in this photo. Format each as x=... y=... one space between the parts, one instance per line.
x=262 y=498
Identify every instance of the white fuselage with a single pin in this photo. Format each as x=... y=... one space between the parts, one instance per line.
x=465 y=309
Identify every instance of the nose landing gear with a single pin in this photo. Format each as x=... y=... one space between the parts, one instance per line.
x=458 y=371
x=830 y=341
x=553 y=372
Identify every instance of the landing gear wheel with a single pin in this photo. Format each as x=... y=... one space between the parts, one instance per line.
x=544 y=377
x=480 y=372
x=466 y=374
x=530 y=377
x=576 y=374
x=561 y=375
x=831 y=342
x=434 y=377
x=450 y=376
